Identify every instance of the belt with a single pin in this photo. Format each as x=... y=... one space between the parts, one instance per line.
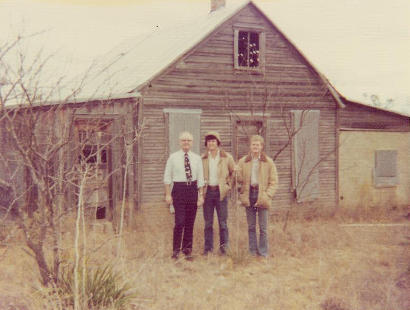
x=192 y=183
x=254 y=187
x=213 y=187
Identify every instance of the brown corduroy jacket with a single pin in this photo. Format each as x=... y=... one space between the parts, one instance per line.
x=226 y=167
x=267 y=179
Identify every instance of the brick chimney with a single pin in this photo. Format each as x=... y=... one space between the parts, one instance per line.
x=216 y=4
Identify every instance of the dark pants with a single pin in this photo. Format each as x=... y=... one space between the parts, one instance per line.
x=212 y=202
x=185 y=198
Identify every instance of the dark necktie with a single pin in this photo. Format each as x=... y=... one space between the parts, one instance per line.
x=188 y=171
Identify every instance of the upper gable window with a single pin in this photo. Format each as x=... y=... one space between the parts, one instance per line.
x=249 y=48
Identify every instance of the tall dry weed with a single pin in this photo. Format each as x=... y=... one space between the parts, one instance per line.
x=315 y=264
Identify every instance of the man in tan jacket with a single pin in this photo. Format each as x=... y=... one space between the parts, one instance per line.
x=258 y=178
x=218 y=172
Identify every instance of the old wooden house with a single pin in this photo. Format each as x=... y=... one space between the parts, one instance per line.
x=233 y=71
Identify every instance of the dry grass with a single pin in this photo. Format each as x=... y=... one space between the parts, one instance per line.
x=315 y=264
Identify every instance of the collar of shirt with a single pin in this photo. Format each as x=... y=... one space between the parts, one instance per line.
x=256 y=158
x=212 y=158
x=183 y=153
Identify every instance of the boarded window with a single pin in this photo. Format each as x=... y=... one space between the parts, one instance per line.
x=180 y=120
x=305 y=154
x=385 y=170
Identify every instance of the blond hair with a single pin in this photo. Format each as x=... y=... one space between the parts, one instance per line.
x=257 y=138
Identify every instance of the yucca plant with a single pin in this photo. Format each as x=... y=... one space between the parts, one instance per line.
x=103 y=288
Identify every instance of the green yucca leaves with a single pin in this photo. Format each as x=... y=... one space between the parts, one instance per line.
x=103 y=288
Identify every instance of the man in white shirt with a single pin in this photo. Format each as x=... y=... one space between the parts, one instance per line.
x=218 y=173
x=184 y=170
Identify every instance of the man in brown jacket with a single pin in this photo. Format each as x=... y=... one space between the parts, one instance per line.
x=218 y=172
x=258 y=178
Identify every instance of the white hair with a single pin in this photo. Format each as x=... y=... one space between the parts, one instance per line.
x=186 y=134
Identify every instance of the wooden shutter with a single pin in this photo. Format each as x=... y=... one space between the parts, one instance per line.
x=305 y=154
x=385 y=170
x=180 y=120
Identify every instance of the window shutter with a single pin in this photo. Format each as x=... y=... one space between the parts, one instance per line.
x=183 y=120
x=305 y=154
x=385 y=170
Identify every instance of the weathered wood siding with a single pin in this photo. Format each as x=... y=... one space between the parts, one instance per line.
x=355 y=116
x=205 y=79
x=50 y=121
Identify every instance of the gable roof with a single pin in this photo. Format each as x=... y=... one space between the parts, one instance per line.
x=132 y=65
x=340 y=47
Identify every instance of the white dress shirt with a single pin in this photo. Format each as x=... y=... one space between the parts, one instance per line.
x=213 y=169
x=175 y=168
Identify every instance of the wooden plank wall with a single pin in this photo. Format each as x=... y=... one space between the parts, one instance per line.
x=356 y=116
x=49 y=126
x=206 y=79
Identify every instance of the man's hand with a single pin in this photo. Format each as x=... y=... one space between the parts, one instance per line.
x=168 y=199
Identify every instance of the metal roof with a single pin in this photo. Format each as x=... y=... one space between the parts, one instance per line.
x=324 y=31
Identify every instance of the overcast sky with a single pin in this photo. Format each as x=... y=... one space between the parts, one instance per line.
x=360 y=45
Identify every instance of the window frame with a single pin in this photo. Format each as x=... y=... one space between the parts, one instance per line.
x=248 y=118
x=260 y=30
x=380 y=181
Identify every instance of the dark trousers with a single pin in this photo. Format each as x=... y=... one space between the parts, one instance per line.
x=185 y=198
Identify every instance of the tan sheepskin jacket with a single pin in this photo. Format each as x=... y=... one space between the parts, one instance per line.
x=226 y=167
x=267 y=179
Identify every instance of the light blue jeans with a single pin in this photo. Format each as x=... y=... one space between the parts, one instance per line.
x=251 y=211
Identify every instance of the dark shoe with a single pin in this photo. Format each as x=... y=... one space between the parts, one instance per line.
x=222 y=251
x=189 y=257
x=206 y=252
x=174 y=255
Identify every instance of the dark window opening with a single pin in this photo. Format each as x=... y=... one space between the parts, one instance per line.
x=248 y=49
x=103 y=156
x=100 y=214
x=89 y=155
